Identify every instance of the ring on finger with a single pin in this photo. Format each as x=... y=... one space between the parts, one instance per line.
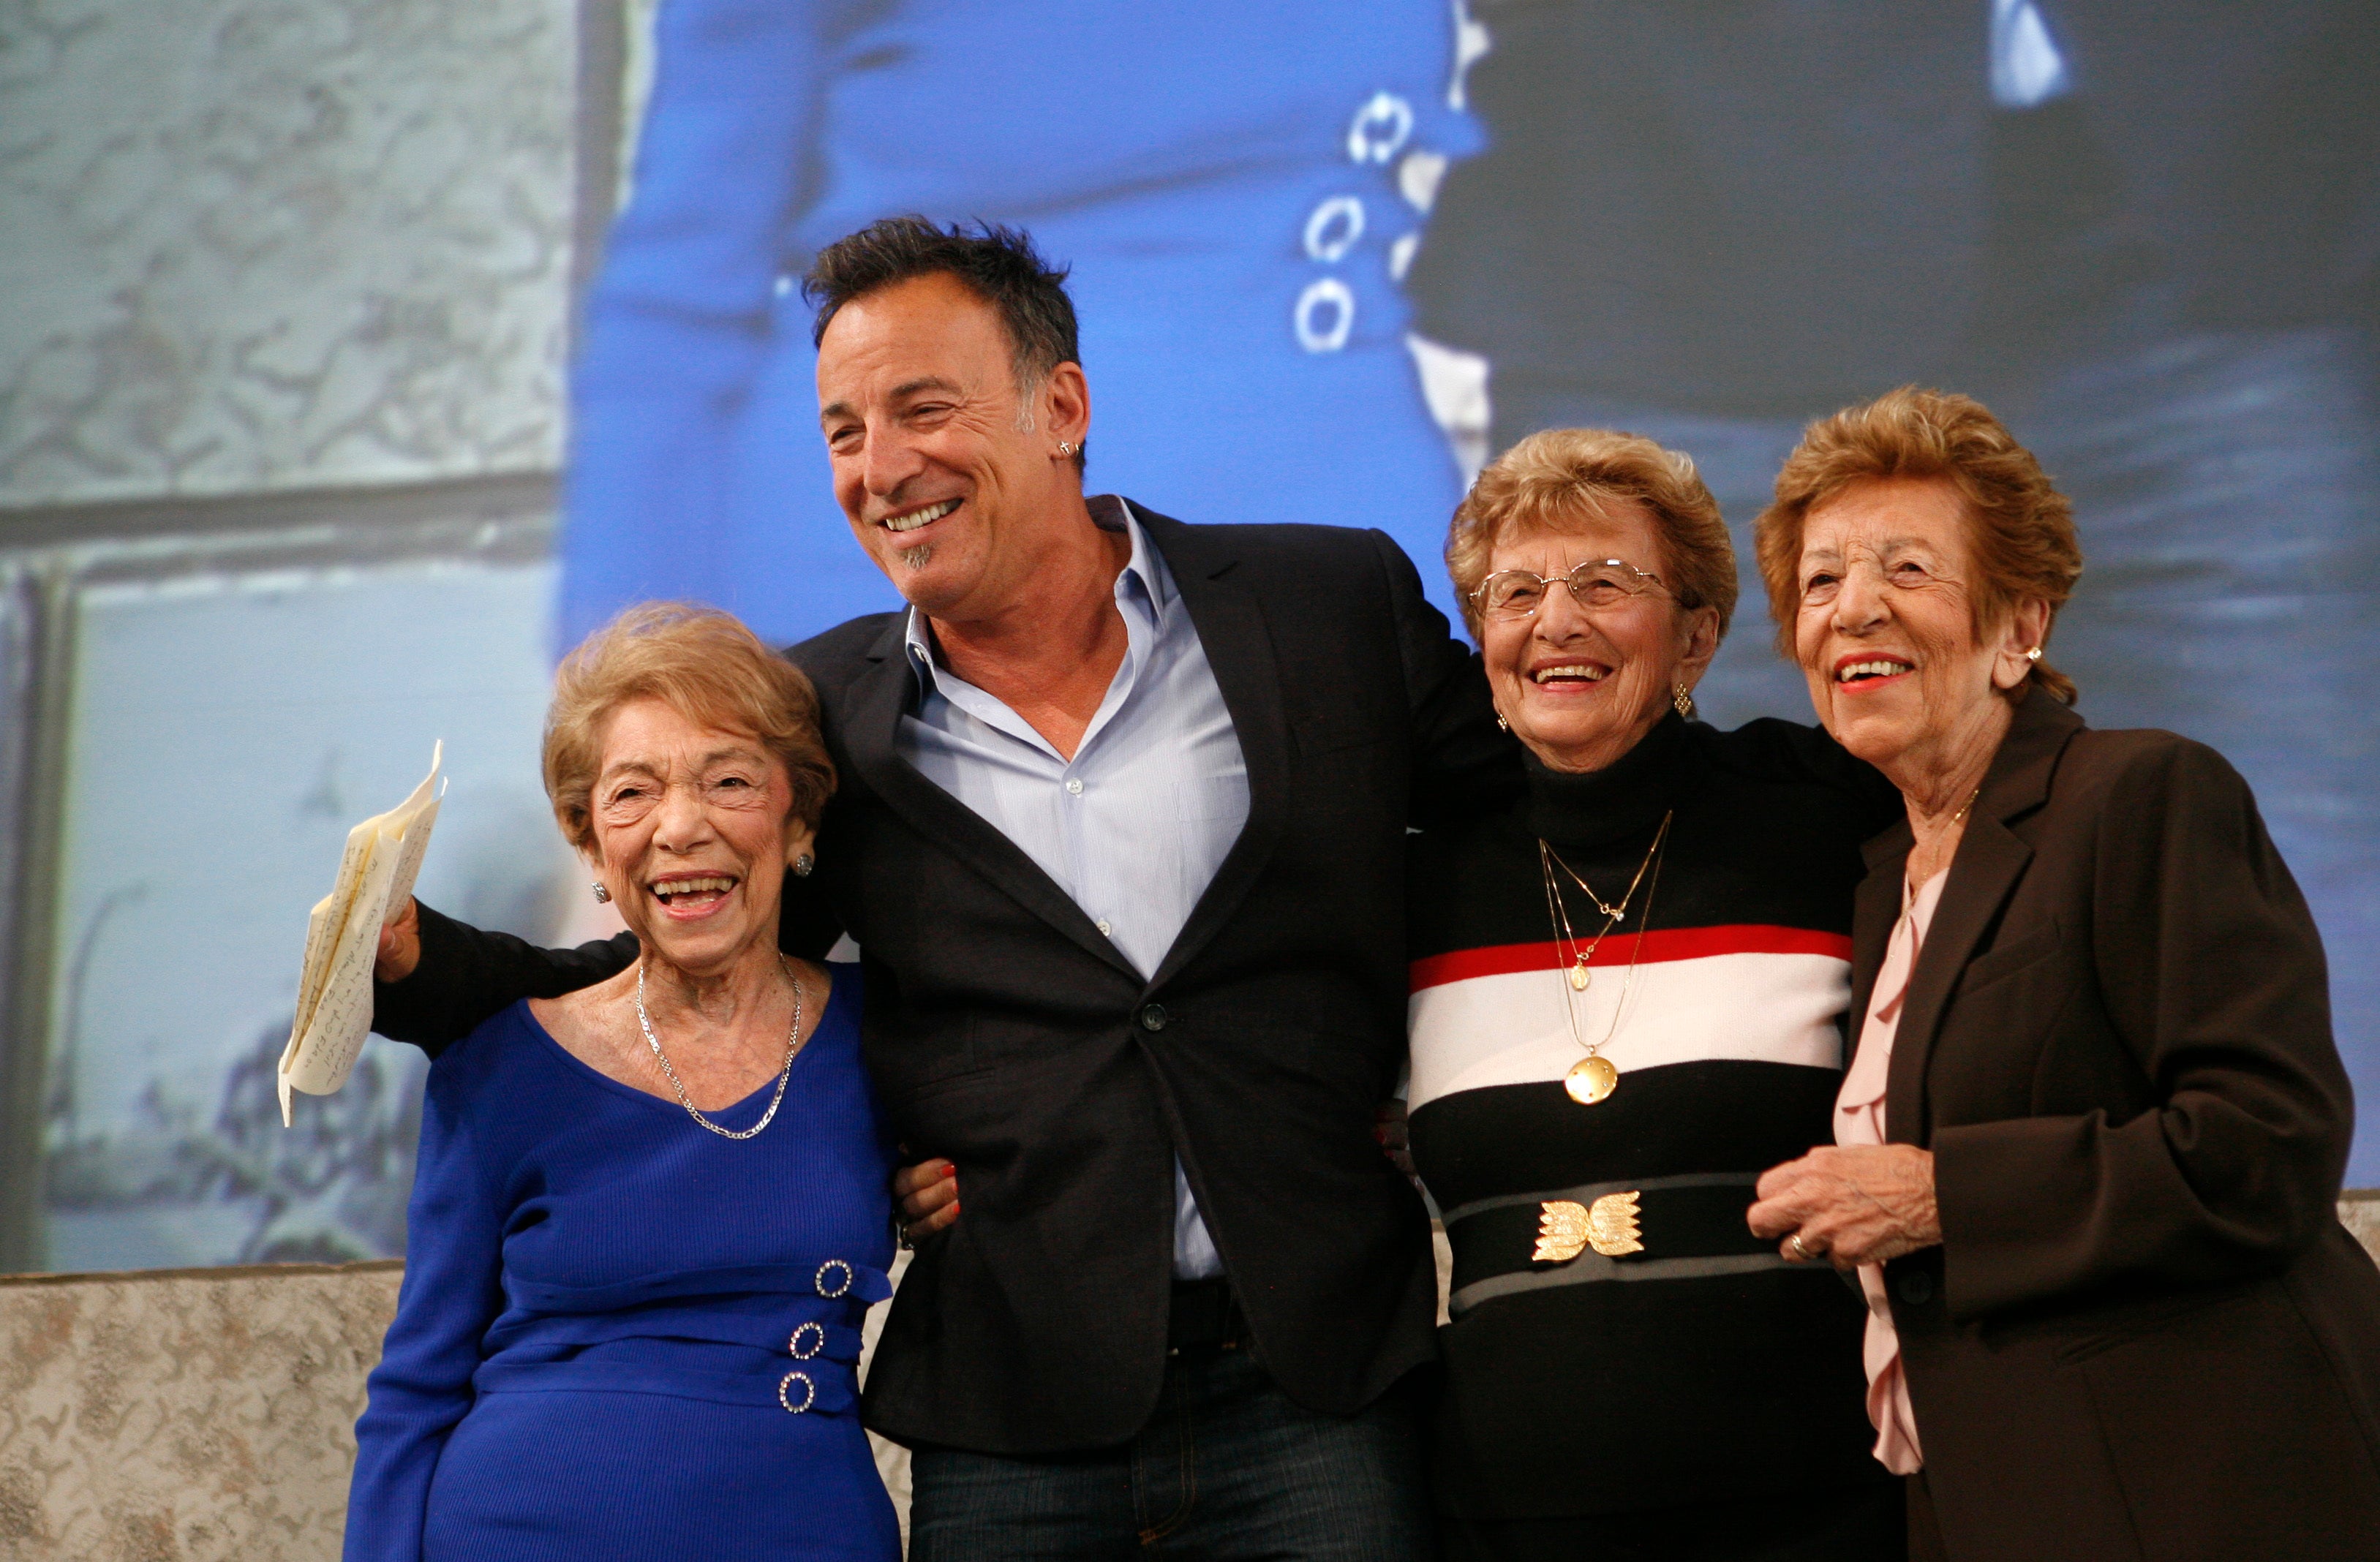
x=1800 y=1251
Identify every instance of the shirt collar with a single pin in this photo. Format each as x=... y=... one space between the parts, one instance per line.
x=1144 y=588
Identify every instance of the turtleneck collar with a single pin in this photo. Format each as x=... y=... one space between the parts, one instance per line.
x=1626 y=797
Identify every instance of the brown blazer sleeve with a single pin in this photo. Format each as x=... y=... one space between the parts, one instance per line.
x=2225 y=1133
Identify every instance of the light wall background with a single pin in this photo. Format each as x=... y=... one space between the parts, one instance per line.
x=284 y=312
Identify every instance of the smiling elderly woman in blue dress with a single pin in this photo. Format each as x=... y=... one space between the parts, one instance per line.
x=648 y=1214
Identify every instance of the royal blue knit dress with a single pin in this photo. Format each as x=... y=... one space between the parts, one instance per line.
x=621 y=1334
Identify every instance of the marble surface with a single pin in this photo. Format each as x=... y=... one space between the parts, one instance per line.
x=201 y=1416
x=251 y=244
x=2361 y=1213
x=183 y=1415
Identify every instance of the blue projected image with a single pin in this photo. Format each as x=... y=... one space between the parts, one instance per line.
x=1328 y=257
x=1236 y=187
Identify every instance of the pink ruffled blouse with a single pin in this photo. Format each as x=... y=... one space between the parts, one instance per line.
x=1859 y=1119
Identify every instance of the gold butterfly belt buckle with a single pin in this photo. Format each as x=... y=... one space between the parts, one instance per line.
x=1608 y=1226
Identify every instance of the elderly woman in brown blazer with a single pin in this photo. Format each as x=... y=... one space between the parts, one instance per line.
x=2090 y=1144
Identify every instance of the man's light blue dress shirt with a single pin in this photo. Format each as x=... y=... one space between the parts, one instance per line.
x=1134 y=826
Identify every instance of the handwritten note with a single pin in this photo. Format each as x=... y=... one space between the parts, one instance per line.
x=335 y=997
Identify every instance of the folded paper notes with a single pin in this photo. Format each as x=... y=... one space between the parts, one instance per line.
x=335 y=995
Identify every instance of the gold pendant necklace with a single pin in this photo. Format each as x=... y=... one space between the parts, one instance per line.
x=1580 y=977
x=1593 y=1078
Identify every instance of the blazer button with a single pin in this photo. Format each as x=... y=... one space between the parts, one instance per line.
x=1916 y=1287
x=1153 y=1016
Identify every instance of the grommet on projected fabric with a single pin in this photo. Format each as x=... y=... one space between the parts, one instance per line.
x=1381 y=128
x=1325 y=316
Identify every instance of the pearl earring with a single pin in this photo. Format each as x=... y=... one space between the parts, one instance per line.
x=1502 y=725
x=602 y=896
x=2034 y=655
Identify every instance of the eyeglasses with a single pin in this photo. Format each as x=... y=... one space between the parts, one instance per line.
x=1597 y=585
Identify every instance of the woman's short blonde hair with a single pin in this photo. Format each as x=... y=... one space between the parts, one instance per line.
x=706 y=666
x=1560 y=476
x=2019 y=529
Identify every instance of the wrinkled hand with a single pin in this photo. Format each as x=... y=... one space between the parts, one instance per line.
x=1864 y=1203
x=928 y=1194
x=400 y=943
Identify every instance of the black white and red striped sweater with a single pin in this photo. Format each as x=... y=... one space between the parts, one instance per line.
x=1703 y=1368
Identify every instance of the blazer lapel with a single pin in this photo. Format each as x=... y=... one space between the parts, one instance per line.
x=1239 y=649
x=1990 y=860
x=872 y=723
x=1876 y=906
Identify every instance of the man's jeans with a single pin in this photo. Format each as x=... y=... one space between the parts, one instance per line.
x=1229 y=1469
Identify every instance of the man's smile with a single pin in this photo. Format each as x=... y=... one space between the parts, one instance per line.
x=925 y=515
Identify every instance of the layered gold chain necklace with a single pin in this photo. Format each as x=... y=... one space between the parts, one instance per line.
x=1593 y=1077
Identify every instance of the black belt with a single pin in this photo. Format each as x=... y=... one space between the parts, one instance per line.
x=1657 y=1228
x=1206 y=1316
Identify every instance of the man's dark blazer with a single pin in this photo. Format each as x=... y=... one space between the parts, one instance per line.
x=2145 y=1333
x=1005 y=1032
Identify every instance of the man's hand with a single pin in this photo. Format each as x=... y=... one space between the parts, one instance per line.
x=1862 y=1204
x=928 y=1194
x=400 y=944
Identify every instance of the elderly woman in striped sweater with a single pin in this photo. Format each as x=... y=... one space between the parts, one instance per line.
x=1628 y=989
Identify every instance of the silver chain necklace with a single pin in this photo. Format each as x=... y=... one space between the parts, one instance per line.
x=793 y=1044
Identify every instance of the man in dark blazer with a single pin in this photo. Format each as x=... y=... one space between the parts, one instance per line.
x=1151 y=1041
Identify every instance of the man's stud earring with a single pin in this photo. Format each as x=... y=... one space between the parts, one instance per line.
x=1065 y=450
x=602 y=896
x=803 y=866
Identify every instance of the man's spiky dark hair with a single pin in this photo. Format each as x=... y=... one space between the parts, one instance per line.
x=998 y=264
